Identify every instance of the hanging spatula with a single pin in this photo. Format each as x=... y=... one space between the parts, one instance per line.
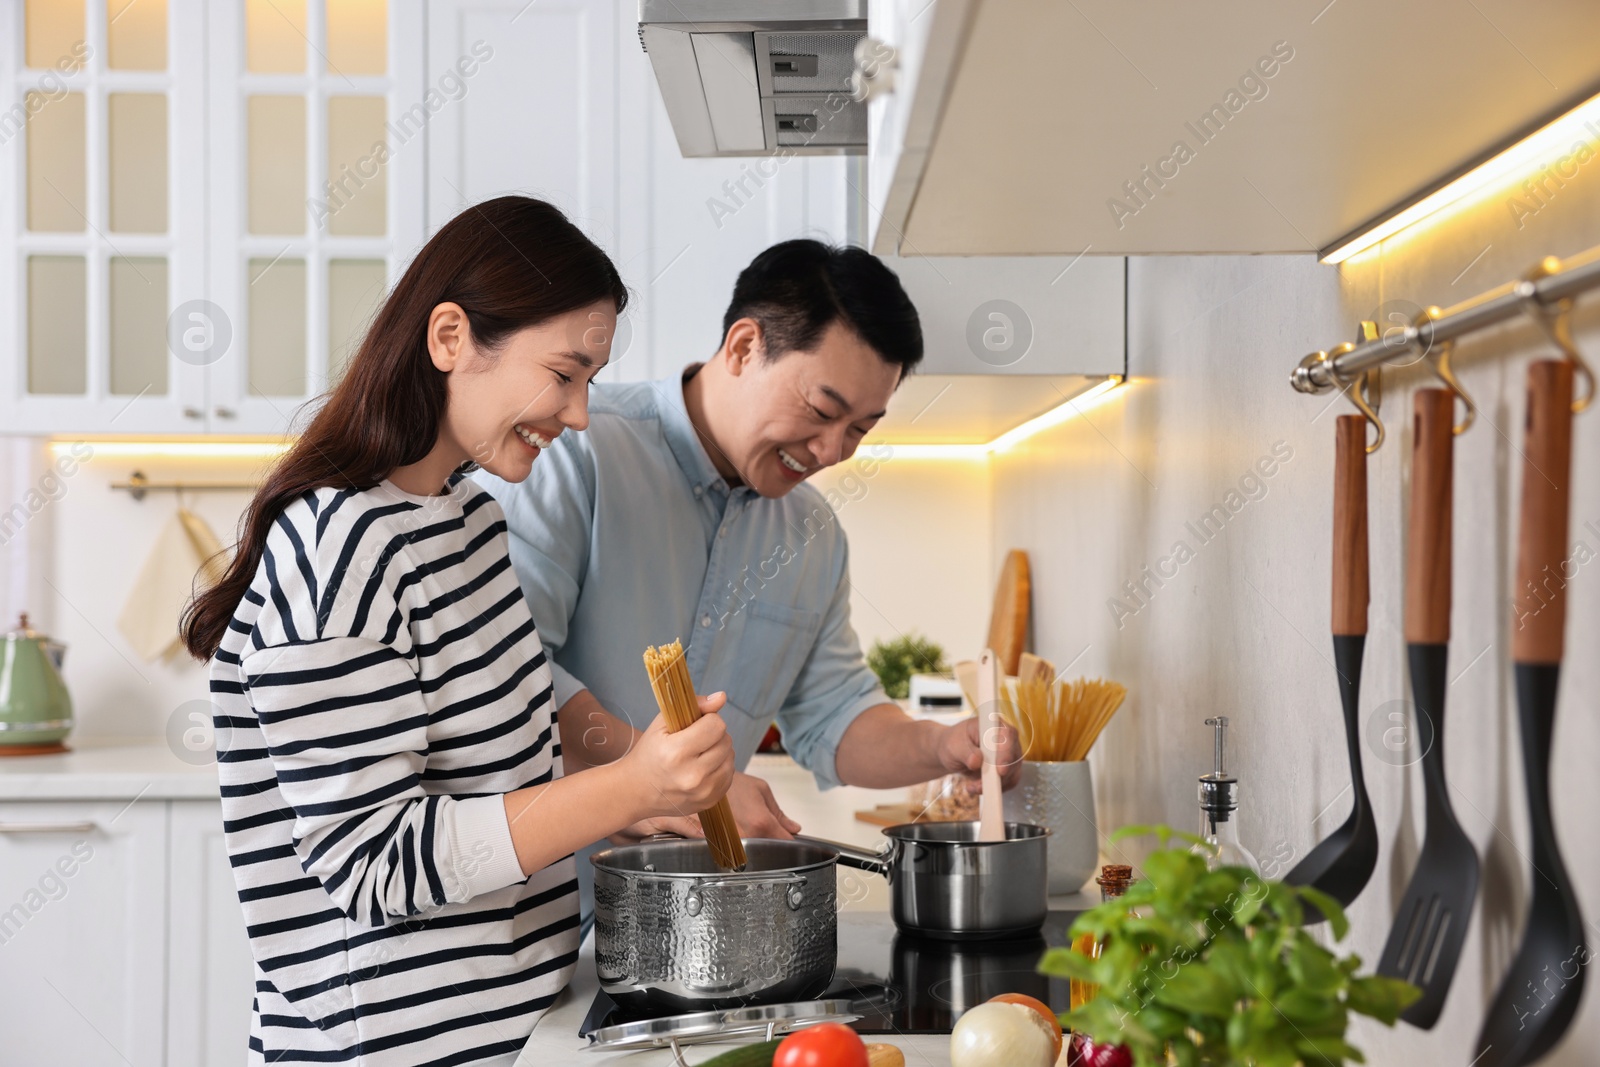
x=1540 y=993
x=1431 y=924
x=1342 y=864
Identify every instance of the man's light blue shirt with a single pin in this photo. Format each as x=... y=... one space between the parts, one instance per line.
x=626 y=536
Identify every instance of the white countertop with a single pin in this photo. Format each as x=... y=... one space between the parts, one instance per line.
x=107 y=769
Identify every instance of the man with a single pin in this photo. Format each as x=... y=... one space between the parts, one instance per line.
x=683 y=513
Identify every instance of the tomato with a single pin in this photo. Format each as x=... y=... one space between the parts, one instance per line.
x=1039 y=1006
x=823 y=1045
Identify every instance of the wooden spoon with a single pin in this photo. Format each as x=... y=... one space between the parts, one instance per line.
x=991 y=819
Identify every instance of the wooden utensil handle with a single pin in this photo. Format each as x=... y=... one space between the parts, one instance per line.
x=1539 y=601
x=1428 y=548
x=1350 y=575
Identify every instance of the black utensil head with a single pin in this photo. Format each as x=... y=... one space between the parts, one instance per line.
x=1342 y=863
x=1431 y=925
x=1540 y=993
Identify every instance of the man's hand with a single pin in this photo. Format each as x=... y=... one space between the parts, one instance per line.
x=960 y=751
x=754 y=809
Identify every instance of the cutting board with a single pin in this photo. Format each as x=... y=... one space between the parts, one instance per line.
x=1008 y=625
x=887 y=815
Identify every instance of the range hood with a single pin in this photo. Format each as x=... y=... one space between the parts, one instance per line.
x=758 y=78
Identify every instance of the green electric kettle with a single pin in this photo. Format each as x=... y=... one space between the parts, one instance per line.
x=35 y=710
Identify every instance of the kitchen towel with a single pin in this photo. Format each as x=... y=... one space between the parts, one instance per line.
x=186 y=554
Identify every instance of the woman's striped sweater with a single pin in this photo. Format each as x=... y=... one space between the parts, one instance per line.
x=380 y=687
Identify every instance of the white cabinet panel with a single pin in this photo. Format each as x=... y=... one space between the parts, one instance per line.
x=1018 y=315
x=210 y=978
x=537 y=114
x=82 y=932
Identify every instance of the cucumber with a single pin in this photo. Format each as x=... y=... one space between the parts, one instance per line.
x=758 y=1055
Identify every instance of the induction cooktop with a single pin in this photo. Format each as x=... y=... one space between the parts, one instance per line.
x=899 y=983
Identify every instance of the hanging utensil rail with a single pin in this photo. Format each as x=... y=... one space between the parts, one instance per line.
x=138 y=485
x=1549 y=285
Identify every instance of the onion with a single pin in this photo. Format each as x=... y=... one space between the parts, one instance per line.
x=997 y=1034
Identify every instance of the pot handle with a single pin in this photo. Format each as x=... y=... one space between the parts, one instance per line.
x=795 y=897
x=851 y=856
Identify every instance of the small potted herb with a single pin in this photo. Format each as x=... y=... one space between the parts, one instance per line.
x=1213 y=968
x=894 y=662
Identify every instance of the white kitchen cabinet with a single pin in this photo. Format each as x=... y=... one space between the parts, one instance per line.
x=926 y=37
x=1034 y=127
x=210 y=976
x=152 y=286
x=83 y=924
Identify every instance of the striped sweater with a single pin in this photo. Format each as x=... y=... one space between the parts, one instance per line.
x=379 y=688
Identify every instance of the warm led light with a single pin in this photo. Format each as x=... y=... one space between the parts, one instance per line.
x=175 y=449
x=1063 y=412
x=1539 y=150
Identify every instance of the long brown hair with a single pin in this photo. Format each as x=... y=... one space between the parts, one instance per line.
x=510 y=263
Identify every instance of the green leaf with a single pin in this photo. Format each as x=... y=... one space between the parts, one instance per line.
x=1174 y=873
x=1198 y=990
x=1066 y=963
x=1230 y=959
x=1252 y=895
x=1314 y=967
x=1380 y=997
x=1318 y=1051
x=1163 y=834
x=1330 y=908
x=1309 y=1011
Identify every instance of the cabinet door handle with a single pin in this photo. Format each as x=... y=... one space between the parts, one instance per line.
x=225 y=413
x=87 y=826
x=193 y=413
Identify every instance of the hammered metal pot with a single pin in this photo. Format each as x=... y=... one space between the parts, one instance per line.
x=673 y=934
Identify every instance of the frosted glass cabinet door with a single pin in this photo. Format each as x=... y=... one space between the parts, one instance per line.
x=105 y=228
x=315 y=199
x=83 y=936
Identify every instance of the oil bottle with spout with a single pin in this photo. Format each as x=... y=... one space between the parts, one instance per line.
x=1219 y=807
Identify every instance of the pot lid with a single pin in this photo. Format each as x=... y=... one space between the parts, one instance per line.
x=701 y=1026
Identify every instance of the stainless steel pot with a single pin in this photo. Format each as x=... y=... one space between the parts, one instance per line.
x=674 y=934
x=946 y=883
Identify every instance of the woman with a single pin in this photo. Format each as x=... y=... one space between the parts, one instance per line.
x=396 y=816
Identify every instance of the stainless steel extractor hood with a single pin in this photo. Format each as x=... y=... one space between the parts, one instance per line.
x=758 y=77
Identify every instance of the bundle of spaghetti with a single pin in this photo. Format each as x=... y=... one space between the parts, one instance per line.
x=1060 y=721
x=669 y=680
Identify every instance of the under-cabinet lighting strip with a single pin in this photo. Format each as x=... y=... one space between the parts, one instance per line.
x=1067 y=410
x=170 y=449
x=1535 y=158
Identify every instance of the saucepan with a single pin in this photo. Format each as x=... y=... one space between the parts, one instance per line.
x=675 y=934
x=946 y=883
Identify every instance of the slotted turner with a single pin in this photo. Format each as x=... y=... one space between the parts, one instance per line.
x=1343 y=863
x=1540 y=993
x=1425 y=942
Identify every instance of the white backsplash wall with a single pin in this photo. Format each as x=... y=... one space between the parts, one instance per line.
x=1240 y=624
x=919 y=535
x=98 y=540
x=920 y=546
